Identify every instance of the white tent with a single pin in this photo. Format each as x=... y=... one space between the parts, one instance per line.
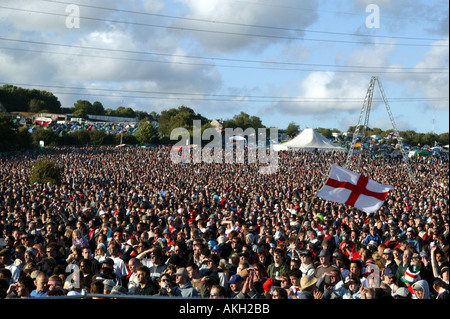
x=309 y=139
x=235 y=139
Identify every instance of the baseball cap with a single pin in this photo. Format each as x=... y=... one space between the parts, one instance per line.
x=389 y=272
x=324 y=253
x=182 y=272
x=211 y=243
x=217 y=248
x=235 y=279
x=306 y=253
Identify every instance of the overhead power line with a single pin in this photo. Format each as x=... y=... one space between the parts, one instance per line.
x=286 y=66
x=215 y=22
x=228 y=32
x=214 y=97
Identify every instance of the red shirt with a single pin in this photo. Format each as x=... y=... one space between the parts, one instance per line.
x=350 y=245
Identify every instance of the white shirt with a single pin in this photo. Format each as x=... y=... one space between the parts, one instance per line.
x=15 y=273
x=307 y=270
x=132 y=283
x=120 y=268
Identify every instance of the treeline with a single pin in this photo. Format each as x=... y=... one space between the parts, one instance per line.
x=83 y=108
x=16 y=99
x=16 y=137
x=19 y=137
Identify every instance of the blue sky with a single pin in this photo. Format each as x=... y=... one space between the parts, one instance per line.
x=307 y=62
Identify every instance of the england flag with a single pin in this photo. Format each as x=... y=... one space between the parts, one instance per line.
x=352 y=189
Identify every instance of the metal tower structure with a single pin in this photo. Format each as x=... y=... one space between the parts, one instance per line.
x=365 y=113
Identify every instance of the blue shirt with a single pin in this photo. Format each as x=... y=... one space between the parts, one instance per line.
x=415 y=244
x=35 y=294
x=375 y=238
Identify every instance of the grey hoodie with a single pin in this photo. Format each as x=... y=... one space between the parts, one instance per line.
x=422 y=285
x=187 y=291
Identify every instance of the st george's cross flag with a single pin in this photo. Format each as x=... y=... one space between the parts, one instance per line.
x=352 y=189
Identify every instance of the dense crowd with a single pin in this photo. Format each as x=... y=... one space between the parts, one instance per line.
x=128 y=221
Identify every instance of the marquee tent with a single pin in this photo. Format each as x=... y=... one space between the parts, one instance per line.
x=309 y=139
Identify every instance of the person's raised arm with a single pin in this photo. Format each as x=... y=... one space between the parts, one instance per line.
x=434 y=264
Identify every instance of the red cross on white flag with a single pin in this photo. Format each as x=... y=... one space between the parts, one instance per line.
x=393 y=136
x=352 y=189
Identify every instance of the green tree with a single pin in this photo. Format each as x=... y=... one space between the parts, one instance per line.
x=443 y=139
x=142 y=115
x=82 y=108
x=147 y=134
x=376 y=131
x=121 y=112
x=97 y=137
x=182 y=117
x=97 y=109
x=46 y=171
x=24 y=140
x=408 y=136
x=154 y=116
x=17 y=99
x=417 y=139
x=244 y=121
x=325 y=132
x=352 y=129
x=80 y=113
x=81 y=137
x=129 y=139
x=46 y=135
x=292 y=129
x=36 y=106
x=67 y=139
x=429 y=139
x=8 y=133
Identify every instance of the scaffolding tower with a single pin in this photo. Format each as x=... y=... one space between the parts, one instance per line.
x=365 y=113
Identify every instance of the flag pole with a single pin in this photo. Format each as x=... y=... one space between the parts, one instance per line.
x=325 y=177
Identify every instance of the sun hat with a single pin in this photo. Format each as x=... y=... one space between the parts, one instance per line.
x=307 y=281
x=182 y=272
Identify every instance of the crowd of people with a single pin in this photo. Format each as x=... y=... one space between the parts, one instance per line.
x=129 y=222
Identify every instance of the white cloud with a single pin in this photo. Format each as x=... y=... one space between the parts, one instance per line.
x=127 y=62
x=434 y=85
x=241 y=18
